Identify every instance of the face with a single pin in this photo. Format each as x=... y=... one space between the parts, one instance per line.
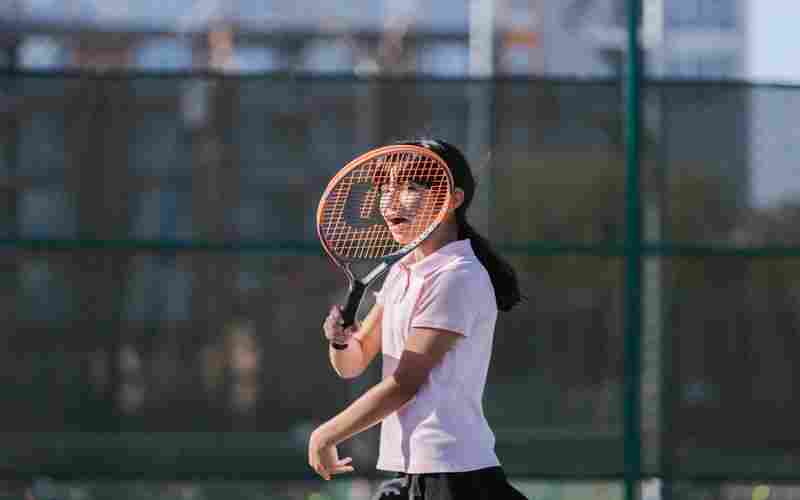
x=401 y=207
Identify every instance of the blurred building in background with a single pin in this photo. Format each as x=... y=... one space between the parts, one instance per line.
x=699 y=39
x=451 y=38
x=685 y=39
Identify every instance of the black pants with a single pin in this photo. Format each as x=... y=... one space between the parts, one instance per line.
x=483 y=484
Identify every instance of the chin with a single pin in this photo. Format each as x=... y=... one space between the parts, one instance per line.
x=401 y=239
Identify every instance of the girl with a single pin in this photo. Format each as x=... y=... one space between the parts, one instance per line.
x=433 y=322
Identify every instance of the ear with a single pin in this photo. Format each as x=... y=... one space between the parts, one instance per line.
x=457 y=199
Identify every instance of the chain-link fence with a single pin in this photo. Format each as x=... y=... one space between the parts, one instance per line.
x=163 y=288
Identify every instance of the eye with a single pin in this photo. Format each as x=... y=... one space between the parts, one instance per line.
x=412 y=186
x=417 y=186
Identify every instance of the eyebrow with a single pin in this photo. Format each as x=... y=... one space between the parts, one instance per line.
x=421 y=184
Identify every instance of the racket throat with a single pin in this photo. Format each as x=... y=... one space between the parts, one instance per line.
x=376 y=273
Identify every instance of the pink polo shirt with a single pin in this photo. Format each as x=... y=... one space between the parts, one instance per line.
x=443 y=428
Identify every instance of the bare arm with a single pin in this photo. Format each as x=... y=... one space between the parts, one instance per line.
x=362 y=347
x=424 y=350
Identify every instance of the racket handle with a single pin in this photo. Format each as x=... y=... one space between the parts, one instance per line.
x=350 y=308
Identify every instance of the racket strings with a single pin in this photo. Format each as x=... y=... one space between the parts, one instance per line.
x=377 y=240
x=352 y=216
x=345 y=239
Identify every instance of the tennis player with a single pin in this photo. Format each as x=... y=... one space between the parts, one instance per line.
x=433 y=322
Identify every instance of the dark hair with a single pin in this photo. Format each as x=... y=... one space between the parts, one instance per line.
x=503 y=276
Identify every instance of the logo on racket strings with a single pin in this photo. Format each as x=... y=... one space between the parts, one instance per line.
x=362 y=207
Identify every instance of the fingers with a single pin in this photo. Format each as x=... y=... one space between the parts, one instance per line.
x=320 y=470
x=316 y=464
x=341 y=467
x=342 y=470
x=333 y=324
x=326 y=474
x=332 y=327
x=344 y=336
x=336 y=313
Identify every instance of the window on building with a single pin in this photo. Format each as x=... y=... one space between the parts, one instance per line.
x=710 y=65
x=157 y=147
x=257 y=59
x=161 y=214
x=158 y=288
x=444 y=59
x=42 y=150
x=164 y=54
x=41 y=52
x=720 y=13
x=327 y=56
x=701 y=13
x=47 y=212
x=44 y=293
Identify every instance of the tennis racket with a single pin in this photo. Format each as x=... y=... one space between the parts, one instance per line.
x=376 y=210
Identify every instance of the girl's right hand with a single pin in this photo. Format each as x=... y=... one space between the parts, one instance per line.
x=333 y=327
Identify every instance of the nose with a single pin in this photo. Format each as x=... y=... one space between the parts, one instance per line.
x=390 y=199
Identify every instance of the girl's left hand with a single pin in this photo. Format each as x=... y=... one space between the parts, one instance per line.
x=324 y=459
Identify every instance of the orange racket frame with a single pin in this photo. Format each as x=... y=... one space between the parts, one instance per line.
x=385 y=256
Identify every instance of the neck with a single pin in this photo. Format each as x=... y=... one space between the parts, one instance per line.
x=444 y=234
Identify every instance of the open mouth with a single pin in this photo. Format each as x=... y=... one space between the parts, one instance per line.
x=395 y=221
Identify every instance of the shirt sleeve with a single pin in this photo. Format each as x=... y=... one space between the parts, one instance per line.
x=448 y=302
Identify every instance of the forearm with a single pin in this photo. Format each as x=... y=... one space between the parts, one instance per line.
x=362 y=346
x=371 y=408
x=348 y=362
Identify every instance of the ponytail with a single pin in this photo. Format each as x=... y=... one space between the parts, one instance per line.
x=503 y=276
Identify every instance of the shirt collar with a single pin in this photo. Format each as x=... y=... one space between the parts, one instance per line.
x=434 y=261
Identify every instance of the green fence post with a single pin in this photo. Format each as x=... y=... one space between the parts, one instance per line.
x=633 y=262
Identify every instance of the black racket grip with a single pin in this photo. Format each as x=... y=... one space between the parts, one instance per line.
x=354 y=296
